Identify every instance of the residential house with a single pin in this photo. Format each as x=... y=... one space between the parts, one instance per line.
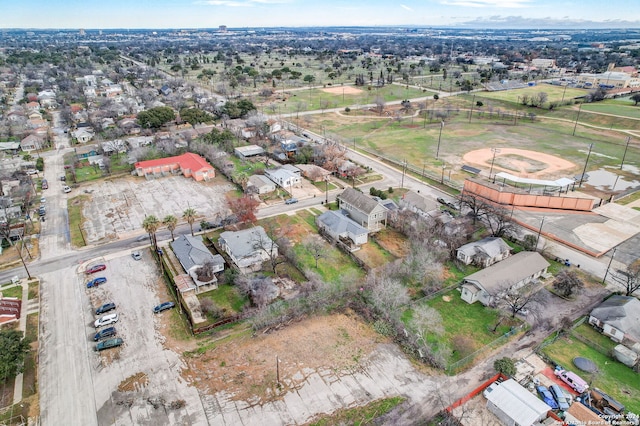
x=363 y=209
x=83 y=135
x=189 y=164
x=484 y=252
x=10 y=309
x=283 y=177
x=32 y=106
x=193 y=255
x=619 y=318
x=511 y=274
x=261 y=184
x=10 y=147
x=248 y=248
x=313 y=173
x=248 y=151
x=416 y=203
x=86 y=151
x=339 y=227
x=345 y=167
x=31 y=143
x=114 y=146
x=166 y=90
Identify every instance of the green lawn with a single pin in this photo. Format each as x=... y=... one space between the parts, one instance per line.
x=554 y=93
x=227 y=298
x=589 y=333
x=74 y=207
x=614 y=378
x=12 y=292
x=357 y=416
x=614 y=108
x=462 y=319
x=332 y=267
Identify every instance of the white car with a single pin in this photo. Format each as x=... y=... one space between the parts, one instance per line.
x=106 y=320
x=66 y=189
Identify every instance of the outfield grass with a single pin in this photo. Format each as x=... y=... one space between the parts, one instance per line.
x=613 y=377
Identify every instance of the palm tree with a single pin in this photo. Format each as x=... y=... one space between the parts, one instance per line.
x=190 y=216
x=151 y=225
x=170 y=221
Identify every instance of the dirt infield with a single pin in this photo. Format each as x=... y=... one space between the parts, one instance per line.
x=521 y=162
x=347 y=90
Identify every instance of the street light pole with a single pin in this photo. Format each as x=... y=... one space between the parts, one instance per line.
x=585 y=166
x=539 y=232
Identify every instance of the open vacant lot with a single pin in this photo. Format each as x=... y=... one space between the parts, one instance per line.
x=116 y=207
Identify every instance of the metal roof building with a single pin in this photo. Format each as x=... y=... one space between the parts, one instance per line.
x=514 y=405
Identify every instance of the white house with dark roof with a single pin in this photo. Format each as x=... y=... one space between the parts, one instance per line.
x=363 y=209
x=512 y=273
x=248 y=248
x=193 y=254
x=339 y=227
x=618 y=317
x=484 y=252
x=283 y=177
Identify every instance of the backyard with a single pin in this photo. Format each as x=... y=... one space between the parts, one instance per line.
x=612 y=377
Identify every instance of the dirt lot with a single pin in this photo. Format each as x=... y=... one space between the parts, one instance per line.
x=245 y=368
x=119 y=206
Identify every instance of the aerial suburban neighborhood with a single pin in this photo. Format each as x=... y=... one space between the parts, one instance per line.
x=402 y=225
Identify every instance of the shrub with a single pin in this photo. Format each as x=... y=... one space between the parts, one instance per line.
x=505 y=366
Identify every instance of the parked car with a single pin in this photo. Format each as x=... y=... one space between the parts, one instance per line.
x=96 y=282
x=136 y=255
x=110 y=306
x=104 y=333
x=106 y=320
x=558 y=395
x=108 y=344
x=63 y=178
x=95 y=268
x=572 y=379
x=45 y=184
x=42 y=211
x=291 y=201
x=66 y=189
x=43 y=200
x=490 y=388
x=209 y=225
x=441 y=200
x=547 y=397
x=163 y=307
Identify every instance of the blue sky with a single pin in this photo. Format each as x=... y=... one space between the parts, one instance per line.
x=295 y=13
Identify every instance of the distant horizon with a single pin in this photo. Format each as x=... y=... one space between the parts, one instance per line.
x=198 y=14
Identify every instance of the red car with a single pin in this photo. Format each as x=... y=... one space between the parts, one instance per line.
x=95 y=268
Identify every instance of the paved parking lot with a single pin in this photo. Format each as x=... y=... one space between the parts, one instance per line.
x=119 y=206
x=140 y=382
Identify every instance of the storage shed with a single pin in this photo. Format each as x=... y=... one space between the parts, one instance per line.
x=514 y=405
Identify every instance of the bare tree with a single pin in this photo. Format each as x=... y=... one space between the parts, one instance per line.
x=261 y=241
x=314 y=245
x=629 y=278
x=567 y=282
x=387 y=294
x=498 y=219
x=518 y=300
x=380 y=104
x=474 y=203
x=205 y=273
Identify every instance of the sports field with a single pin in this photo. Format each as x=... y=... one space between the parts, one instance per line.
x=554 y=93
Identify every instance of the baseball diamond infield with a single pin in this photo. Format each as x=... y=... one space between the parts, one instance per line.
x=524 y=163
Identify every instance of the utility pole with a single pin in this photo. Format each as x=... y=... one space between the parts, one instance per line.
x=625 y=151
x=539 y=232
x=577 y=118
x=404 y=169
x=439 y=138
x=585 y=166
x=472 y=102
x=22 y=259
x=495 y=151
x=609 y=265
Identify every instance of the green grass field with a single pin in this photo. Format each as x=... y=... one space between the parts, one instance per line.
x=554 y=93
x=613 y=377
x=610 y=107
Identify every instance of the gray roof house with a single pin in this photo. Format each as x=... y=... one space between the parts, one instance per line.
x=618 y=317
x=512 y=273
x=248 y=151
x=416 y=203
x=248 y=248
x=484 y=252
x=363 y=209
x=339 y=227
x=515 y=405
x=192 y=254
x=262 y=184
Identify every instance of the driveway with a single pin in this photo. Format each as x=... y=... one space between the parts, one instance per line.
x=119 y=206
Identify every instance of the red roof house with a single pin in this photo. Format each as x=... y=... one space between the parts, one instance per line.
x=9 y=309
x=189 y=164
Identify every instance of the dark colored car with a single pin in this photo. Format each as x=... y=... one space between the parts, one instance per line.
x=291 y=201
x=108 y=344
x=63 y=178
x=103 y=334
x=105 y=308
x=95 y=268
x=96 y=282
x=163 y=307
x=546 y=397
x=441 y=200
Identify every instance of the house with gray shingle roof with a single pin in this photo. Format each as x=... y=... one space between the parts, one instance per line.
x=193 y=254
x=248 y=248
x=512 y=273
x=618 y=317
x=363 y=209
x=484 y=252
x=339 y=227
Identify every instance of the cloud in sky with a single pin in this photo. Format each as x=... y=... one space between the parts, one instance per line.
x=240 y=3
x=406 y=7
x=510 y=4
